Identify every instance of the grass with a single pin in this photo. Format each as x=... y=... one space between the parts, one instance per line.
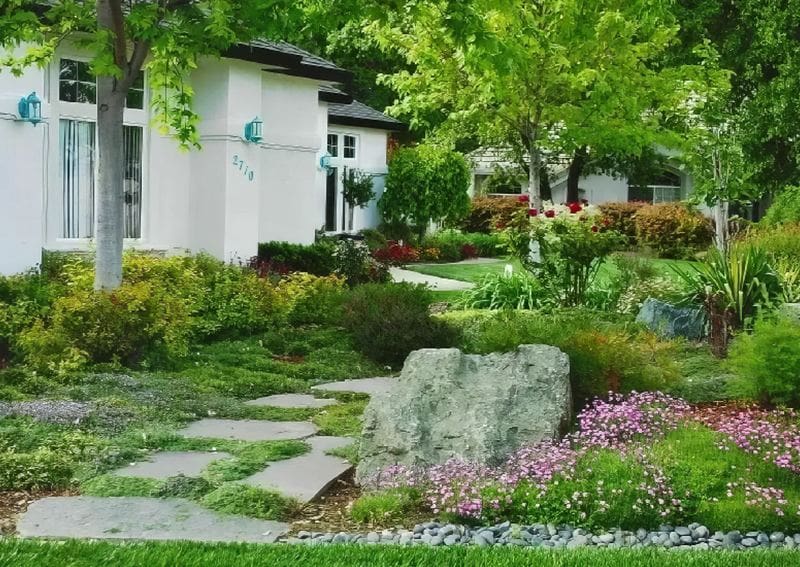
x=31 y=553
x=387 y=506
x=235 y=498
x=476 y=272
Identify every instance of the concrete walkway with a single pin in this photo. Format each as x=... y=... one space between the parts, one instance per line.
x=437 y=283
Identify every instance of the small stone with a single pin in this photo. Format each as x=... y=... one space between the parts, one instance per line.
x=518 y=542
x=719 y=536
x=777 y=537
x=682 y=531
x=641 y=534
x=373 y=537
x=488 y=536
x=789 y=543
x=419 y=528
x=750 y=542
x=686 y=540
x=701 y=532
x=303 y=534
x=436 y=540
x=325 y=538
x=751 y=534
x=762 y=538
x=578 y=541
x=674 y=538
x=606 y=538
x=447 y=530
x=452 y=539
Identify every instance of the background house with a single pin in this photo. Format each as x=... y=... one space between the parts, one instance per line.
x=222 y=199
x=671 y=184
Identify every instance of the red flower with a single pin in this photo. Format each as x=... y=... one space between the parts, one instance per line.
x=606 y=222
x=550 y=213
x=533 y=212
x=524 y=198
x=574 y=207
x=595 y=228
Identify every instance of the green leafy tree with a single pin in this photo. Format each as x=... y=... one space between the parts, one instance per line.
x=425 y=184
x=535 y=77
x=759 y=42
x=122 y=37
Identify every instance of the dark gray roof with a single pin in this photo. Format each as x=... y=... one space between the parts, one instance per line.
x=359 y=114
x=288 y=59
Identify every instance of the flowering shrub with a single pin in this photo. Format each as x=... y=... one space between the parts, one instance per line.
x=489 y=214
x=353 y=262
x=621 y=217
x=396 y=254
x=573 y=240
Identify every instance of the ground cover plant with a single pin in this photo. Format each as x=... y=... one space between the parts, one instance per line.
x=638 y=460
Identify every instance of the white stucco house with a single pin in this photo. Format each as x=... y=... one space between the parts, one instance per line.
x=671 y=184
x=222 y=199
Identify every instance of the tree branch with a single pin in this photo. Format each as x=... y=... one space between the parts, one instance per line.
x=118 y=27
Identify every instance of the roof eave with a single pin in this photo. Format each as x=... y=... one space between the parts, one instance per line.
x=367 y=123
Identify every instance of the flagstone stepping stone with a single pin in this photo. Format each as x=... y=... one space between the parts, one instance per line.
x=166 y=464
x=292 y=401
x=369 y=386
x=141 y=518
x=308 y=476
x=249 y=429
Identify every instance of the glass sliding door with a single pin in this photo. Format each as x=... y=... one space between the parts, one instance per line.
x=76 y=152
x=132 y=181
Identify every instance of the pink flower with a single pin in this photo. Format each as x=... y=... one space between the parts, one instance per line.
x=533 y=212
x=550 y=213
x=524 y=198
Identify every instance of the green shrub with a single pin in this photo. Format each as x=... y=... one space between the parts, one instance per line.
x=603 y=355
x=388 y=321
x=673 y=230
x=488 y=214
x=313 y=299
x=386 y=507
x=135 y=323
x=43 y=468
x=781 y=242
x=767 y=363
x=235 y=498
x=506 y=291
x=785 y=208
x=373 y=238
x=453 y=244
x=314 y=258
x=24 y=299
x=737 y=284
x=621 y=217
x=425 y=184
x=353 y=262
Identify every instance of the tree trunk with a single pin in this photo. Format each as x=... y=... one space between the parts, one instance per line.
x=579 y=159
x=545 y=190
x=350 y=216
x=721 y=221
x=109 y=195
x=534 y=169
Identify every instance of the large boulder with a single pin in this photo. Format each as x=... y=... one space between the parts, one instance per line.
x=670 y=321
x=449 y=404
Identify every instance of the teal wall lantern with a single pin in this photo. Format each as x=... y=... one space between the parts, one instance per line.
x=30 y=109
x=252 y=130
x=325 y=163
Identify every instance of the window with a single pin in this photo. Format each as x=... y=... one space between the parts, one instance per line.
x=660 y=188
x=349 y=149
x=77 y=83
x=333 y=145
x=77 y=154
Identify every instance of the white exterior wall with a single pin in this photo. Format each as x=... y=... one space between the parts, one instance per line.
x=370 y=158
x=22 y=177
x=196 y=200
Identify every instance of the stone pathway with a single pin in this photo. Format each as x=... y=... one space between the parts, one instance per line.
x=370 y=386
x=165 y=464
x=437 y=283
x=306 y=477
x=302 y=401
x=249 y=429
x=140 y=518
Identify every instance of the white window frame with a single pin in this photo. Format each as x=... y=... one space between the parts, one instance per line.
x=85 y=112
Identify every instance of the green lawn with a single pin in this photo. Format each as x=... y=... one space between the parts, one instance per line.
x=469 y=272
x=87 y=554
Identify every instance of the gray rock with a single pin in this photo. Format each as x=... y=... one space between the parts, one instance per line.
x=670 y=321
x=140 y=518
x=605 y=538
x=701 y=532
x=480 y=408
x=436 y=540
x=166 y=464
x=292 y=401
x=341 y=538
x=749 y=542
x=682 y=531
x=452 y=539
x=249 y=429
x=373 y=537
x=370 y=386
x=578 y=541
x=777 y=537
x=674 y=538
x=762 y=538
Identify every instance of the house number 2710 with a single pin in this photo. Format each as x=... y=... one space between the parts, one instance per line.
x=243 y=167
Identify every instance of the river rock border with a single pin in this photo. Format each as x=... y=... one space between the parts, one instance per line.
x=694 y=536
